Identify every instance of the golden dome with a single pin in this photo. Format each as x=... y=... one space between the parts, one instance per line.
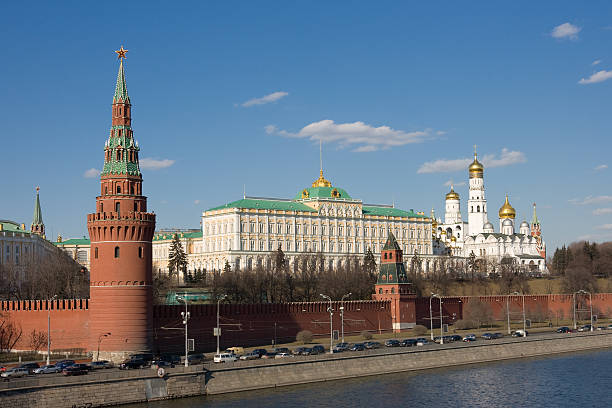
x=476 y=169
x=506 y=210
x=452 y=195
x=453 y=239
x=321 y=182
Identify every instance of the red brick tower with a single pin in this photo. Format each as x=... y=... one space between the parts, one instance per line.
x=393 y=285
x=121 y=231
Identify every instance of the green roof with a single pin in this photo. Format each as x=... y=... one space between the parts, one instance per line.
x=169 y=235
x=324 y=192
x=37 y=219
x=389 y=212
x=391 y=243
x=12 y=226
x=266 y=204
x=73 y=241
x=121 y=87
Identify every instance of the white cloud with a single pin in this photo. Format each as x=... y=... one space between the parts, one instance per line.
x=91 y=173
x=357 y=135
x=596 y=62
x=506 y=158
x=196 y=202
x=450 y=182
x=598 y=76
x=604 y=227
x=566 y=30
x=154 y=164
x=602 y=211
x=273 y=97
x=601 y=167
x=591 y=200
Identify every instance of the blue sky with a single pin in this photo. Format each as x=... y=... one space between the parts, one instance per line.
x=232 y=94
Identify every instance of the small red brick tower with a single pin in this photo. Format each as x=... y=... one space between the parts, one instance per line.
x=393 y=285
x=121 y=231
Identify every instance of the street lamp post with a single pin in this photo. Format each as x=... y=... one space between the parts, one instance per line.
x=49 y=329
x=331 y=323
x=185 y=315
x=342 y=312
x=524 y=318
x=585 y=292
x=433 y=295
x=218 y=331
x=99 y=341
x=508 y=310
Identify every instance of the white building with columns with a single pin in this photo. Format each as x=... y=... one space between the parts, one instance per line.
x=524 y=247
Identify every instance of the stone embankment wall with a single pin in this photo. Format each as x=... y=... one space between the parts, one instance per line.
x=114 y=388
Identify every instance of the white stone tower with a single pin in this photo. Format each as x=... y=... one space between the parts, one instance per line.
x=453 y=208
x=477 y=204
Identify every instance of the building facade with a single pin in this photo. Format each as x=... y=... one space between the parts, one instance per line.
x=321 y=218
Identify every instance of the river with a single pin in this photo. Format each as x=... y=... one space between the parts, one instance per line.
x=581 y=379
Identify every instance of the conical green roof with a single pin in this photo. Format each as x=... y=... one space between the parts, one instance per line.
x=37 y=219
x=121 y=87
x=391 y=243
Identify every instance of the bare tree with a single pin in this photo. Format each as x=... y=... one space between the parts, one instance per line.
x=37 y=340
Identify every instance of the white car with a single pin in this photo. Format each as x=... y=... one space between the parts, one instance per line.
x=224 y=358
x=14 y=373
x=47 y=369
x=283 y=355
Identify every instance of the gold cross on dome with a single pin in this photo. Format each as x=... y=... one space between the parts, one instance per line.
x=121 y=53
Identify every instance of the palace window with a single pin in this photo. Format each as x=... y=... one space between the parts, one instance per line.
x=340 y=230
x=253 y=227
x=261 y=228
x=314 y=230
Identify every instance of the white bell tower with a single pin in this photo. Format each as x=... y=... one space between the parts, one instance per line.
x=477 y=204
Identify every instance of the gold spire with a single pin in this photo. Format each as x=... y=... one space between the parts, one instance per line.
x=452 y=195
x=321 y=182
x=476 y=168
x=506 y=210
x=121 y=53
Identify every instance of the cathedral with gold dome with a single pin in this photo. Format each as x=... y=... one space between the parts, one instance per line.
x=453 y=236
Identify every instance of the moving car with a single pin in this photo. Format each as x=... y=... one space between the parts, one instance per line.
x=340 y=347
x=371 y=345
x=520 y=333
x=197 y=358
x=146 y=357
x=421 y=341
x=319 y=348
x=487 y=336
x=30 y=367
x=171 y=358
x=15 y=372
x=282 y=355
x=469 y=337
x=357 y=347
x=96 y=365
x=260 y=351
x=281 y=350
x=392 y=343
x=253 y=355
x=236 y=350
x=64 y=363
x=564 y=329
x=47 y=369
x=132 y=364
x=76 y=369
x=224 y=358
x=456 y=337
x=585 y=328
x=297 y=351
x=408 y=343
x=268 y=355
x=155 y=364
x=498 y=335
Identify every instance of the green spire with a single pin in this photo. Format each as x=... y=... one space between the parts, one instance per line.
x=121 y=88
x=37 y=219
x=391 y=243
x=534 y=219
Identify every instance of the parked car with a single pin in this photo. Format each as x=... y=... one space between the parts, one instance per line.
x=487 y=336
x=146 y=357
x=260 y=351
x=224 y=358
x=437 y=339
x=371 y=345
x=340 y=347
x=30 y=367
x=97 y=365
x=319 y=348
x=602 y=328
x=307 y=351
x=131 y=364
x=520 y=333
x=15 y=372
x=281 y=350
x=282 y=355
x=357 y=347
x=47 y=369
x=498 y=335
x=421 y=341
x=585 y=328
x=76 y=369
x=268 y=355
x=64 y=363
x=408 y=343
x=297 y=351
x=456 y=337
x=392 y=343
x=236 y=350
x=564 y=329
x=253 y=355
x=469 y=337
x=197 y=358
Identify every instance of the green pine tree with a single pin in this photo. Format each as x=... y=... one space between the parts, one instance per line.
x=177 y=259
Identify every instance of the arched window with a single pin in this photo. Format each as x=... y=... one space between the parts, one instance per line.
x=118 y=208
x=477 y=208
x=96 y=252
x=140 y=252
x=380 y=291
x=116 y=252
x=385 y=255
x=118 y=189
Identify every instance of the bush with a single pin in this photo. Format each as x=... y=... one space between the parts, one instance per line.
x=305 y=336
x=366 y=335
x=465 y=324
x=419 y=329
